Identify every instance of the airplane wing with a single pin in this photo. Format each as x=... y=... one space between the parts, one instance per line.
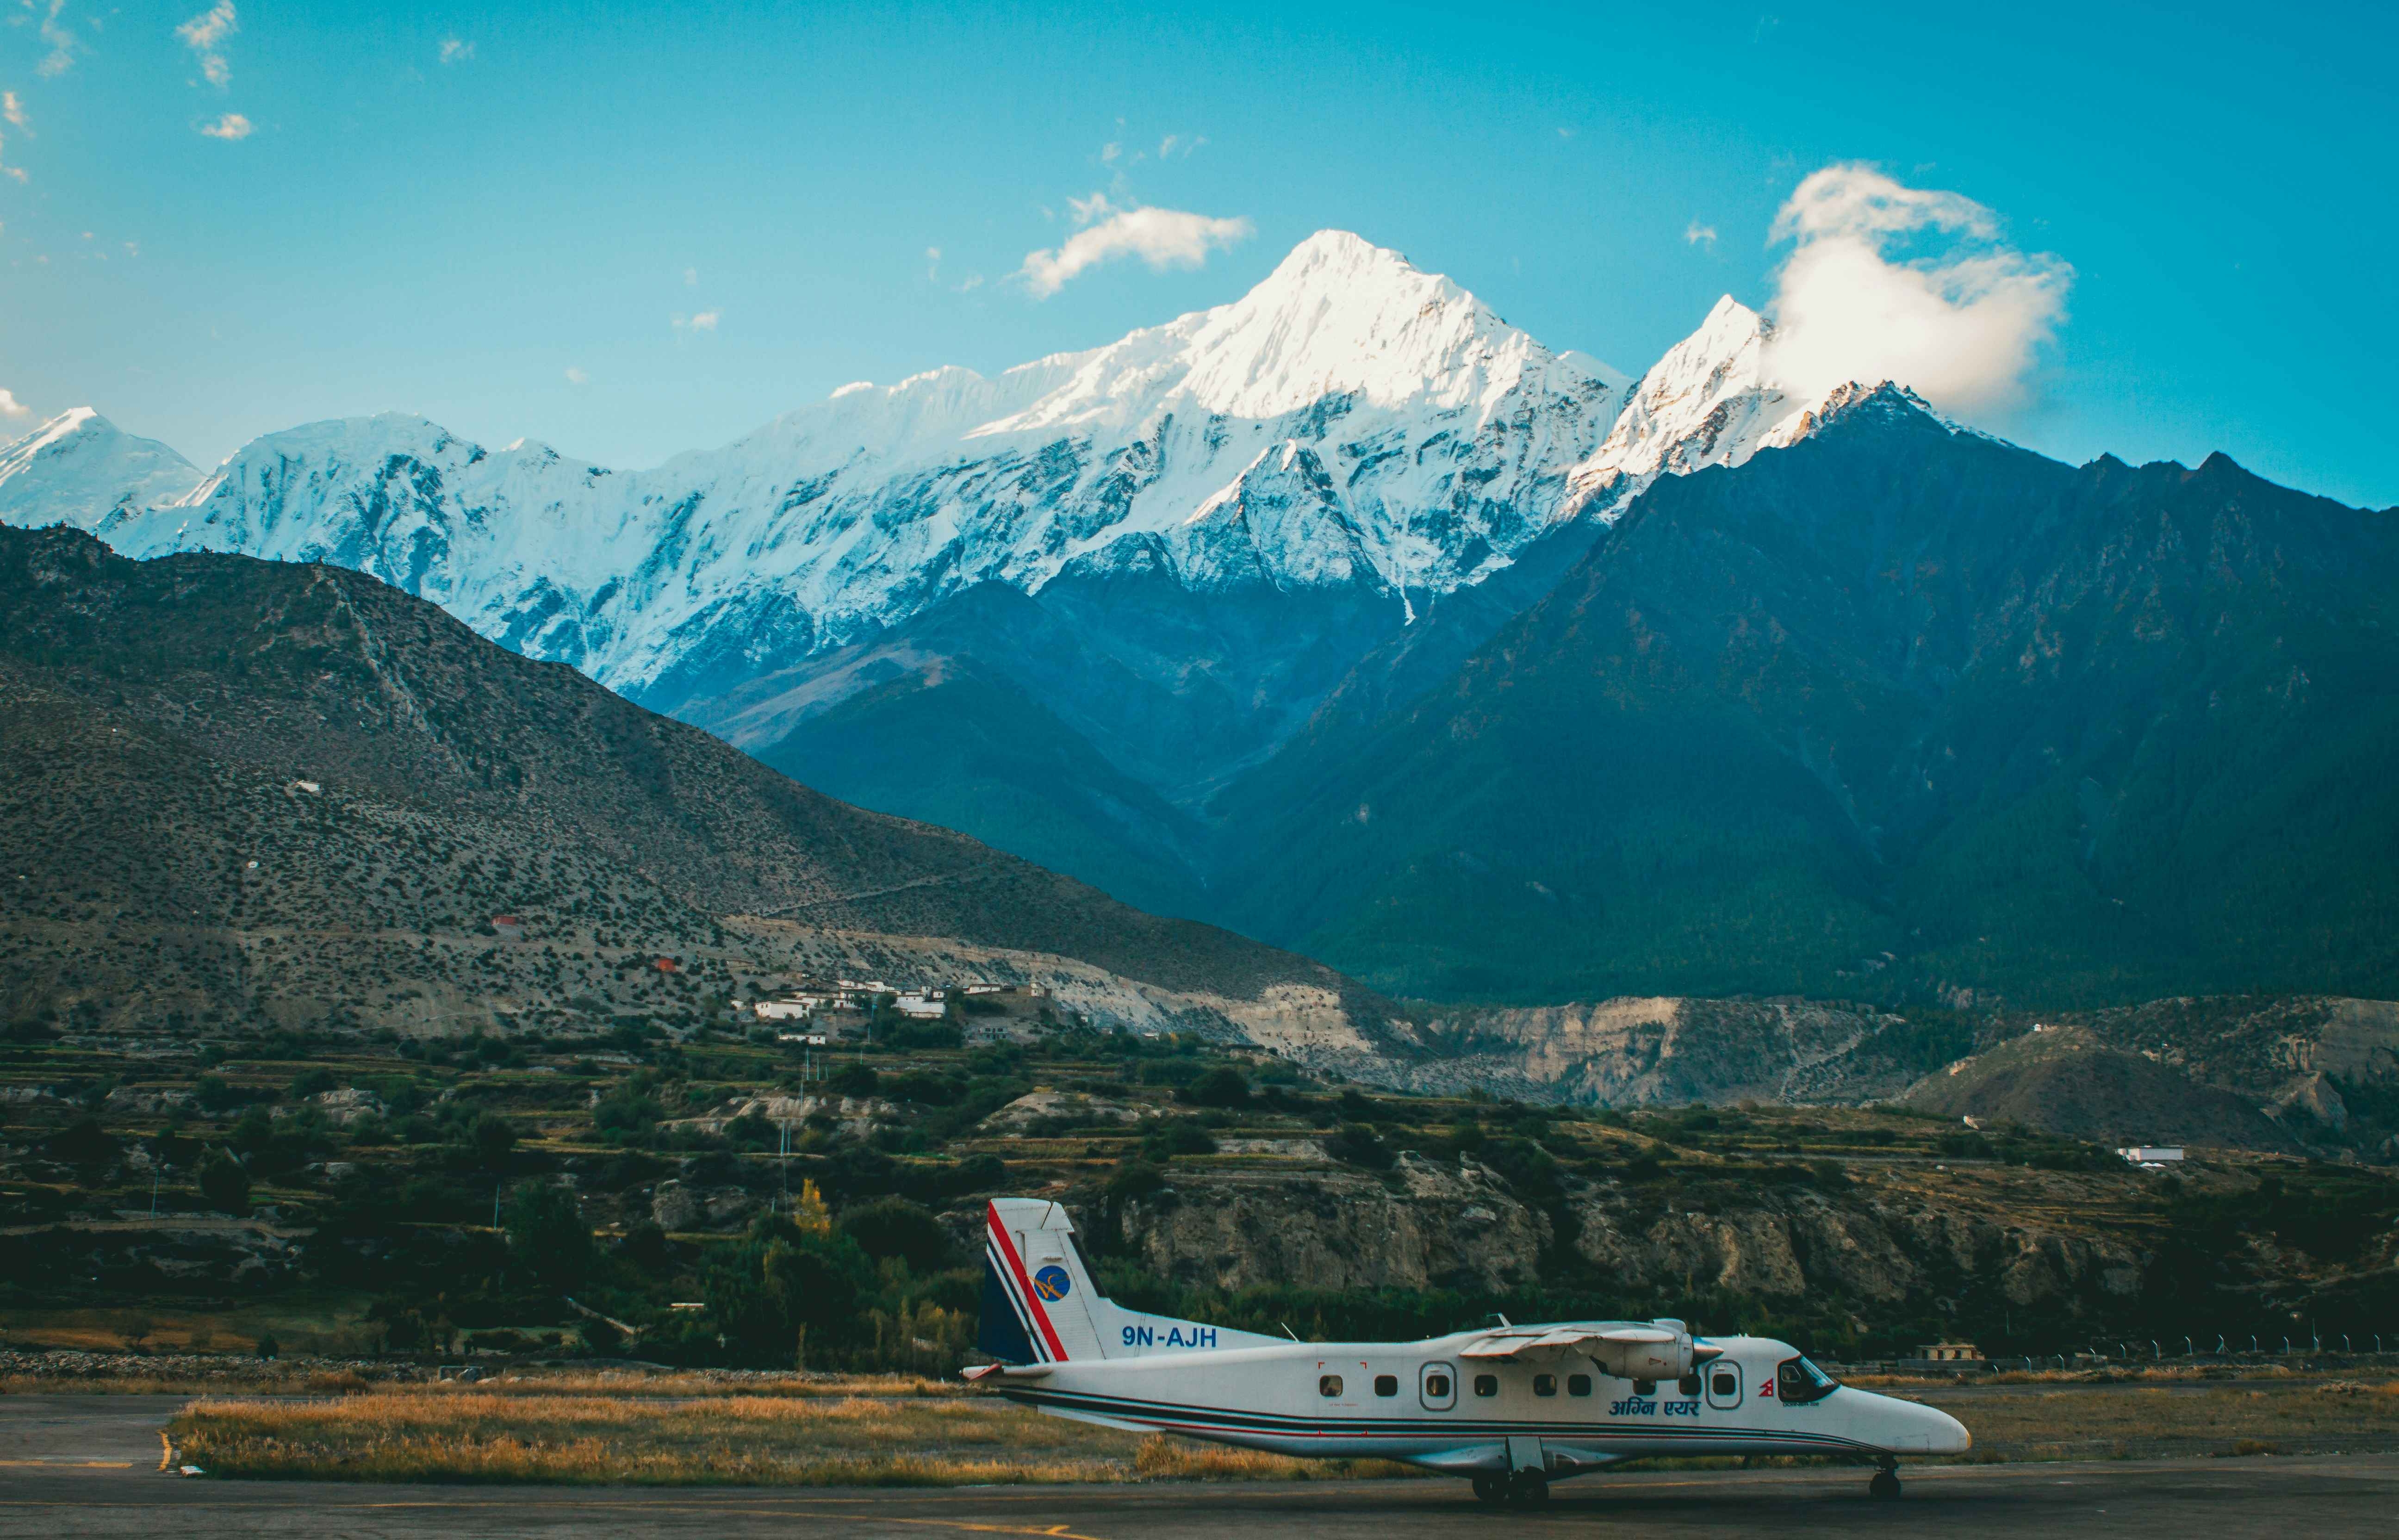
x=1546 y=1347
x=1628 y=1352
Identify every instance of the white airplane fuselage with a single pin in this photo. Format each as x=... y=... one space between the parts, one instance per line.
x=1510 y=1399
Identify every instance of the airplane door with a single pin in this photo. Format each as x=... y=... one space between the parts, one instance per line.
x=1723 y=1383
x=1437 y=1387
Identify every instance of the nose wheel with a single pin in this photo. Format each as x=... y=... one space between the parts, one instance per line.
x=1884 y=1487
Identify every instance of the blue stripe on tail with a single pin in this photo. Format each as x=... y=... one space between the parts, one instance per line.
x=1001 y=1333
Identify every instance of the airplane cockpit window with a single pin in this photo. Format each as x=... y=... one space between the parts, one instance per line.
x=1329 y=1386
x=1797 y=1382
x=1386 y=1385
x=1487 y=1384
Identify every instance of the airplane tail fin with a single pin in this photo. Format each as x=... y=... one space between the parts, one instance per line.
x=1039 y=1304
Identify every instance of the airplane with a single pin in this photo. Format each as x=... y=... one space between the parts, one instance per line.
x=1511 y=1408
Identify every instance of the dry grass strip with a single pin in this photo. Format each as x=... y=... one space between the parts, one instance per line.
x=471 y=1434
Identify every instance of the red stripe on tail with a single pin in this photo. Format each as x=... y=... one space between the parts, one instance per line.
x=1023 y=1284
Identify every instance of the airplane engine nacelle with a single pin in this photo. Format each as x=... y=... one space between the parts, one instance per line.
x=1644 y=1353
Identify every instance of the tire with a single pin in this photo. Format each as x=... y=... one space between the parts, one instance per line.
x=1884 y=1487
x=1491 y=1488
x=1530 y=1489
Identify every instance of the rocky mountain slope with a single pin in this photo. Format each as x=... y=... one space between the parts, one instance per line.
x=1899 y=707
x=255 y=792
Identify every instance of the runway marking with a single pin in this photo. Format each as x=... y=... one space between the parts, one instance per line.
x=73 y=1464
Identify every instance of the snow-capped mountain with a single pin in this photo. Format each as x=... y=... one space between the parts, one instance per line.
x=1709 y=402
x=79 y=468
x=1350 y=422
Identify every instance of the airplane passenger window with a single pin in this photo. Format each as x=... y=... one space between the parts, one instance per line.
x=1797 y=1382
x=1437 y=1387
x=1687 y=1385
x=1545 y=1384
x=1644 y=1388
x=1329 y=1386
x=1577 y=1384
x=1487 y=1384
x=1386 y=1385
x=1728 y=1385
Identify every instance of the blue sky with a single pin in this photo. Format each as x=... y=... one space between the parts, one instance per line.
x=507 y=217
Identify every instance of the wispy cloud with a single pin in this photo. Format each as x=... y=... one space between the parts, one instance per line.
x=1891 y=282
x=1700 y=234
x=576 y=376
x=61 y=39
x=13 y=112
x=231 y=126
x=11 y=407
x=455 y=51
x=705 y=321
x=691 y=278
x=205 y=35
x=1163 y=237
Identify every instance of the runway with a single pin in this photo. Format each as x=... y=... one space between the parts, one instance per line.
x=86 y=1466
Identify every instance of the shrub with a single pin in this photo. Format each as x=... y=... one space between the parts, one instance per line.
x=1357 y=1144
x=895 y=1227
x=1218 y=1088
x=224 y=1185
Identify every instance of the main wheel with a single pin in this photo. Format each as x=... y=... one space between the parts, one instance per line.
x=1530 y=1489
x=1491 y=1488
x=1884 y=1485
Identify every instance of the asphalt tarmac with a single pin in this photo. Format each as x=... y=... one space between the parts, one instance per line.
x=87 y=1465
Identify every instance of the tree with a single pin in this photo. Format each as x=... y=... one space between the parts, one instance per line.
x=785 y=1285
x=225 y=1184
x=548 y=1236
x=1219 y=1088
x=493 y=1137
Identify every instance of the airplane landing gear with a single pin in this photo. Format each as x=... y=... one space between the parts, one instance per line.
x=1491 y=1487
x=1884 y=1485
x=1528 y=1489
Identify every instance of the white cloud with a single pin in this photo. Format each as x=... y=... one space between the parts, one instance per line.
x=1891 y=282
x=205 y=35
x=1700 y=234
x=1109 y=153
x=458 y=51
x=231 y=126
x=11 y=407
x=971 y=282
x=691 y=278
x=1163 y=237
x=576 y=376
x=14 y=111
x=705 y=321
x=62 y=40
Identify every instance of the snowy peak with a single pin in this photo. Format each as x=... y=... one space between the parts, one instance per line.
x=79 y=468
x=1709 y=402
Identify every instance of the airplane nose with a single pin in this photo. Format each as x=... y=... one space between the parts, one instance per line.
x=1914 y=1428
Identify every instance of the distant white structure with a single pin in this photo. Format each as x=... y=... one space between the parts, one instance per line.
x=784 y=1010
x=924 y=1006
x=2151 y=1154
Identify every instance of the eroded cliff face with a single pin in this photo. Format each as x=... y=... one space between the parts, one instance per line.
x=1439 y=1225
x=1431 y=1226
x=1648 y=1051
